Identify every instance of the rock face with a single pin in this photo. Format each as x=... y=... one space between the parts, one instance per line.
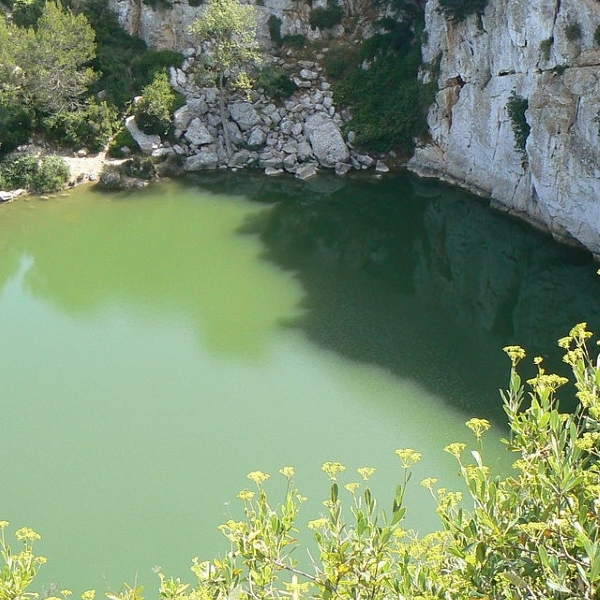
x=542 y=51
x=166 y=26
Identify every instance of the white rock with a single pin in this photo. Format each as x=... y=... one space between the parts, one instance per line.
x=306 y=171
x=257 y=137
x=198 y=134
x=244 y=114
x=326 y=140
x=147 y=143
x=204 y=160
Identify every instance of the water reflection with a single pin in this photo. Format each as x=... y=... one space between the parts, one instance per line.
x=157 y=255
x=426 y=281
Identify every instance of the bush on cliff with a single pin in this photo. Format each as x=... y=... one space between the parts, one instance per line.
x=532 y=535
x=154 y=110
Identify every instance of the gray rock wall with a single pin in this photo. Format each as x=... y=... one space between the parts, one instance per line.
x=529 y=48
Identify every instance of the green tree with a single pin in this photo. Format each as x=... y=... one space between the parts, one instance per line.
x=46 y=67
x=229 y=30
x=54 y=59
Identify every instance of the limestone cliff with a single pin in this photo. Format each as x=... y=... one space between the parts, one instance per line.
x=167 y=26
x=543 y=51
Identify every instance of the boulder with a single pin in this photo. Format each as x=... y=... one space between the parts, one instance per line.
x=257 y=137
x=197 y=133
x=202 y=161
x=245 y=115
x=326 y=140
x=147 y=143
x=306 y=171
x=182 y=117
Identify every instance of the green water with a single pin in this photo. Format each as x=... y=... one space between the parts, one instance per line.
x=159 y=345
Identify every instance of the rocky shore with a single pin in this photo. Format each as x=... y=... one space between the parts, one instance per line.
x=300 y=136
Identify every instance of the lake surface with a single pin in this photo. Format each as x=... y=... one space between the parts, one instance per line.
x=159 y=345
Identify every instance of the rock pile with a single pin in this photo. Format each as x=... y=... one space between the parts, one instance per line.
x=298 y=137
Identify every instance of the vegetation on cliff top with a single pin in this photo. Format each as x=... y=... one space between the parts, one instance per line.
x=533 y=534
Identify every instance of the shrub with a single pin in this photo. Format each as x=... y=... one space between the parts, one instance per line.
x=51 y=175
x=546 y=47
x=16 y=124
x=18 y=171
x=142 y=168
x=326 y=18
x=294 y=40
x=573 y=31
x=195 y=2
x=533 y=534
x=459 y=10
x=89 y=127
x=156 y=3
x=339 y=61
x=387 y=100
x=45 y=175
x=516 y=107
x=116 y=51
x=154 y=110
x=597 y=35
x=276 y=83
x=147 y=65
x=274 y=24
x=122 y=139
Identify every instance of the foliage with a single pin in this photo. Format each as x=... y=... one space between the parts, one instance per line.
x=195 y=2
x=274 y=24
x=51 y=175
x=45 y=70
x=156 y=3
x=387 y=99
x=16 y=123
x=533 y=534
x=546 y=47
x=148 y=64
x=90 y=126
x=230 y=30
x=122 y=139
x=516 y=107
x=125 y=63
x=458 y=10
x=154 y=110
x=294 y=40
x=326 y=17
x=573 y=31
x=54 y=59
x=276 y=84
x=26 y=13
x=47 y=174
x=18 y=568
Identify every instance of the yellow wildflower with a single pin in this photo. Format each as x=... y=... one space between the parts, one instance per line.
x=258 y=477
x=366 y=472
x=331 y=469
x=408 y=457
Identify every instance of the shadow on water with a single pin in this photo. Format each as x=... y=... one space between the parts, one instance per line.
x=422 y=279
